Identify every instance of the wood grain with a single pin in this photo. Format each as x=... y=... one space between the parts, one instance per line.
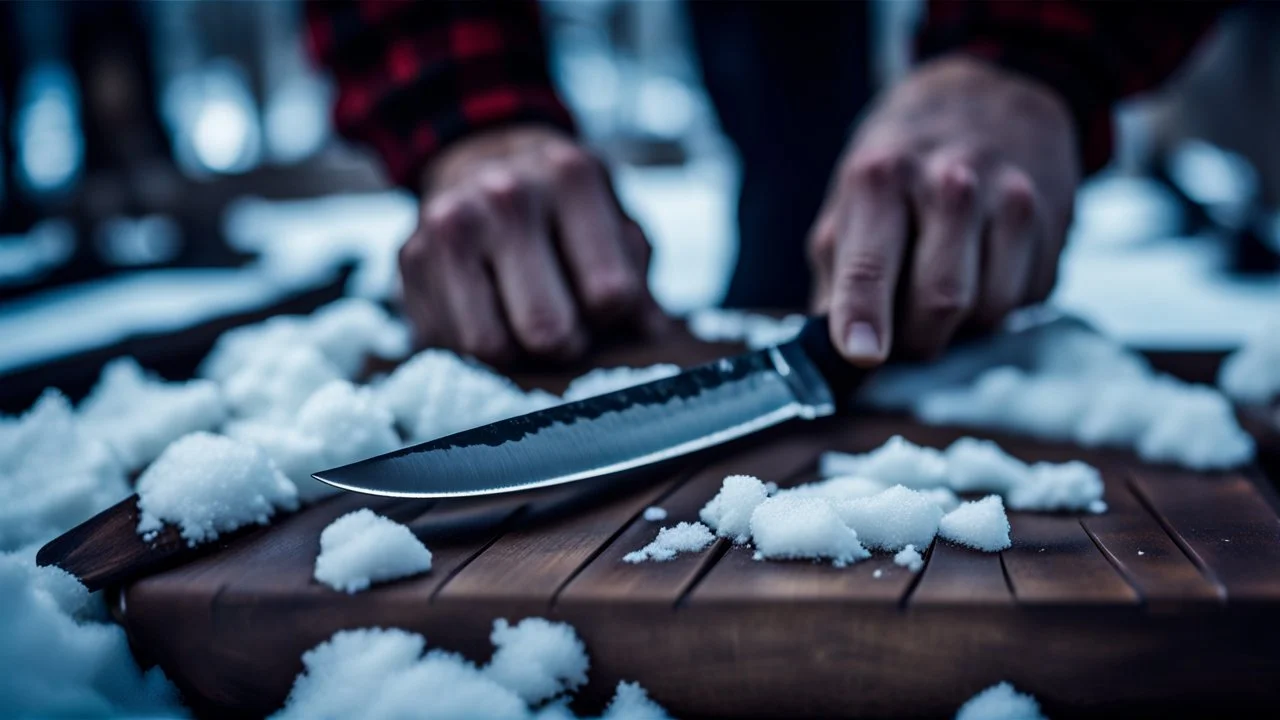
x=1053 y=561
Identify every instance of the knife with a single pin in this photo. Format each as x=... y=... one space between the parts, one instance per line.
x=804 y=378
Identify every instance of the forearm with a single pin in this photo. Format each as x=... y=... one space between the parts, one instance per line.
x=414 y=77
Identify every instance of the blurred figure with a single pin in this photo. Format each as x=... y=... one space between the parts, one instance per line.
x=946 y=210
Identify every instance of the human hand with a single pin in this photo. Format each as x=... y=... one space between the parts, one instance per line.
x=522 y=247
x=977 y=169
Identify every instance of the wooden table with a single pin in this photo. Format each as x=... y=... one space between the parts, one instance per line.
x=1166 y=603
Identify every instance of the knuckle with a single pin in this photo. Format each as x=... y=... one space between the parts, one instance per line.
x=873 y=171
x=1016 y=199
x=944 y=297
x=508 y=194
x=450 y=224
x=545 y=330
x=954 y=184
x=610 y=292
x=863 y=270
x=571 y=165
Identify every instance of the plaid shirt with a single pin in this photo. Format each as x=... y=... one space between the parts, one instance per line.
x=414 y=76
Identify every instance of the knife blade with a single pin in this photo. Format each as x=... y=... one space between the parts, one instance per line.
x=699 y=408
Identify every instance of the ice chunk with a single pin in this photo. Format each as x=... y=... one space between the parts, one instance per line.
x=909 y=558
x=273 y=386
x=981 y=525
x=892 y=519
x=375 y=673
x=1251 y=374
x=537 y=659
x=53 y=475
x=791 y=527
x=729 y=512
x=897 y=462
x=1000 y=702
x=362 y=548
x=631 y=702
x=210 y=484
x=57 y=664
x=138 y=415
x=606 y=380
x=437 y=393
x=684 y=537
x=655 y=514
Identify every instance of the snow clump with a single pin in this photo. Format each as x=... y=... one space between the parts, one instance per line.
x=385 y=673
x=210 y=484
x=792 y=527
x=1251 y=374
x=729 y=512
x=362 y=548
x=138 y=415
x=1000 y=702
x=684 y=537
x=981 y=525
x=655 y=514
x=893 y=519
x=909 y=558
x=53 y=473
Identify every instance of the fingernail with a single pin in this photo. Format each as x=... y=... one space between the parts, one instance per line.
x=862 y=342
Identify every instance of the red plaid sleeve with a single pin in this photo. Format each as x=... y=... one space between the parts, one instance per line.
x=1092 y=52
x=413 y=77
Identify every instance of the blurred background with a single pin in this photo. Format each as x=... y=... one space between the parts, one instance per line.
x=170 y=170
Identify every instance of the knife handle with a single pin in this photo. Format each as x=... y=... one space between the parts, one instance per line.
x=843 y=378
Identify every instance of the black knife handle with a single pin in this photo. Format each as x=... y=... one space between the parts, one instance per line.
x=843 y=378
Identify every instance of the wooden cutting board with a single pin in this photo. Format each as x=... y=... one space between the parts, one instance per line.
x=1166 y=603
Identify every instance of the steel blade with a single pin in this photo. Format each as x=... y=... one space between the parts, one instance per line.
x=637 y=426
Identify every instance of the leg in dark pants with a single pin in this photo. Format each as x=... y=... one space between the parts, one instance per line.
x=787 y=79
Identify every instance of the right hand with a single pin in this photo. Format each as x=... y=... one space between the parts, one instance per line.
x=522 y=248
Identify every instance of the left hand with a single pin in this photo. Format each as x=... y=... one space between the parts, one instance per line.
x=975 y=166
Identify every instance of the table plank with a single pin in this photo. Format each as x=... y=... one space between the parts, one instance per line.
x=959 y=576
x=1053 y=561
x=533 y=563
x=608 y=579
x=1222 y=522
x=1140 y=549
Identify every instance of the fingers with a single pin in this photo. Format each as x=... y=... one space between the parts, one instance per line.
x=870 y=241
x=945 y=272
x=1009 y=249
x=537 y=299
x=650 y=319
x=609 y=285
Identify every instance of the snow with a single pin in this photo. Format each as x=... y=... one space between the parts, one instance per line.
x=607 y=380
x=892 y=519
x=1000 y=702
x=345 y=332
x=436 y=393
x=274 y=385
x=295 y=454
x=729 y=512
x=790 y=527
x=841 y=487
x=139 y=415
x=537 y=659
x=897 y=462
x=909 y=558
x=58 y=662
x=757 y=331
x=1251 y=374
x=969 y=465
x=684 y=537
x=377 y=673
x=362 y=548
x=655 y=514
x=210 y=484
x=53 y=474
x=981 y=525
x=1066 y=383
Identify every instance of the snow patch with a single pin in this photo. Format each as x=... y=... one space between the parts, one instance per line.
x=729 y=512
x=909 y=558
x=792 y=527
x=1252 y=373
x=210 y=484
x=362 y=548
x=1000 y=702
x=684 y=537
x=981 y=525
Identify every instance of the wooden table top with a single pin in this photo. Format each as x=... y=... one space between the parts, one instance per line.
x=1165 y=603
